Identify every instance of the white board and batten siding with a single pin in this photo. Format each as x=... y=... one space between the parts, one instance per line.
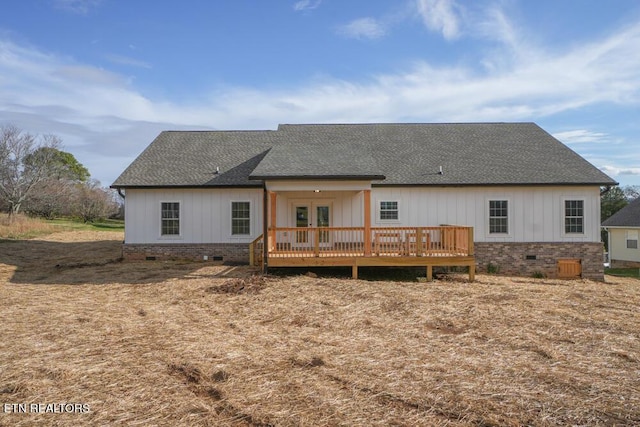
x=535 y=214
x=205 y=215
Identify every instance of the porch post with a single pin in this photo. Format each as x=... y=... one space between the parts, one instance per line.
x=367 y=222
x=272 y=234
x=265 y=229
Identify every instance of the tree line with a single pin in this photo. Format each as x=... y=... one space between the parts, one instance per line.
x=38 y=178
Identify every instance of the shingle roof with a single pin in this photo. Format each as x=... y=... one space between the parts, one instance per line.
x=190 y=159
x=629 y=216
x=389 y=154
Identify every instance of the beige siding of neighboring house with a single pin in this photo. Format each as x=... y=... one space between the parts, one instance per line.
x=618 y=250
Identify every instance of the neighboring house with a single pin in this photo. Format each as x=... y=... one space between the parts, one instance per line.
x=624 y=231
x=514 y=197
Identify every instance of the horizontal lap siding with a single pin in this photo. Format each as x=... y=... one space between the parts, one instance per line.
x=618 y=250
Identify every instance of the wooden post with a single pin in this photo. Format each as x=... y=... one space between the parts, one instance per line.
x=265 y=228
x=429 y=273
x=419 y=241
x=367 y=225
x=471 y=249
x=472 y=272
x=354 y=271
x=272 y=234
x=316 y=241
x=251 y=255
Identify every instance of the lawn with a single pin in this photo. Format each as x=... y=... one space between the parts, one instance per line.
x=623 y=272
x=25 y=227
x=199 y=344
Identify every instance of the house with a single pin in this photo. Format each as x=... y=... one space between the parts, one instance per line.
x=624 y=228
x=492 y=196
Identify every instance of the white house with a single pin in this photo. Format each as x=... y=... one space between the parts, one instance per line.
x=624 y=232
x=504 y=196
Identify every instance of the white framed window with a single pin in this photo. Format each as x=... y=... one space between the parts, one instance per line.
x=169 y=218
x=574 y=216
x=632 y=239
x=498 y=217
x=388 y=210
x=240 y=218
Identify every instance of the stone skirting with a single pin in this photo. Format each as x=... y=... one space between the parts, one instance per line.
x=226 y=252
x=619 y=263
x=529 y=259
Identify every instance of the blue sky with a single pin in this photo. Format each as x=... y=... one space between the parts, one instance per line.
x=108 y=75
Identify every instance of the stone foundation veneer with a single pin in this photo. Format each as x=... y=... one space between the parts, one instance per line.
x=619 y=263
x=511 y=258
x=228 y=252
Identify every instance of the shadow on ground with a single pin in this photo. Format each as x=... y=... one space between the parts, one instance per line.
x=94 y=262
x=394 y=274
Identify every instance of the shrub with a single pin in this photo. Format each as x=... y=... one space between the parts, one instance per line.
x=493 y=268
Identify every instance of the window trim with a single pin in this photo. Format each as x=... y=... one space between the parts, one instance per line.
x=509 y=216
x=379 y=219
x=629 y=237
x=250 y=219
x=171 y=236
x=564 y=216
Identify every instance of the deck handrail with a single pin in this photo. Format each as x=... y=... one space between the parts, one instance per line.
x=255 y=251
x=444 y=240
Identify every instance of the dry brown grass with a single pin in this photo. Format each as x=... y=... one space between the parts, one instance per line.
x=202 y=345
x=20 y=226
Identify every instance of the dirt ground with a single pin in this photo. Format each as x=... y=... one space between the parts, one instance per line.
x=105 y=342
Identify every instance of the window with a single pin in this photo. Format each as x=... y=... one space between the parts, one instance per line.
x=632 y=239
x=240 y=218
x=498 y=217
x=574 y=216
x=388 y=211
x=170 y=218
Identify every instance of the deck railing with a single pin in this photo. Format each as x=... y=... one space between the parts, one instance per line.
x=353 y=242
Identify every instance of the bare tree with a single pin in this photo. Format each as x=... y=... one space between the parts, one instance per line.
x=93 y=202
x=20 y=169
x=632 y=192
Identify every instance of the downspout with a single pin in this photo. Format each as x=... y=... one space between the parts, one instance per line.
x=265 y=230
x=608 y=246
x=120 y=193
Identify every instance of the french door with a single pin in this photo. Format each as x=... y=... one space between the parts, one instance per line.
x=312 y=214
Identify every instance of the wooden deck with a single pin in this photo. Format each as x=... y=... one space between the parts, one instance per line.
x=382 y=246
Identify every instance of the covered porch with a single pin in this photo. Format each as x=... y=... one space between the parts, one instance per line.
x=329 y=223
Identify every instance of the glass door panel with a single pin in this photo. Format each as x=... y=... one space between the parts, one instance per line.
x=322 y=220
x=302 y=220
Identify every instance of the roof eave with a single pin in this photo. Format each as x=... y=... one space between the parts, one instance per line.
x=492 y=184
x=185 y=186
x=317 y=177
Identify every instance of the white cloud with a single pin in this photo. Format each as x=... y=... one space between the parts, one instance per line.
x=441 y=16
x=126 y=60
x=615 y=171
x=363 y=28
x=306 y=5
x=580 y=136
x=77 y=6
